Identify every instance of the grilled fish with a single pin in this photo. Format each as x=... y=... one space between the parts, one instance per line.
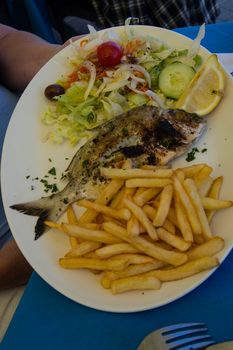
x=146 y=134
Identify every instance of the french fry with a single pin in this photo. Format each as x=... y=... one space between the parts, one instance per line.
x=135 y=283
x=173 y=240
x=191 y=189
x=91 y=255
x=198 y=239
x=170 y=257
x=215 y=188
x=52 y=224
x=104 y=198
x=142 y=182
x=214 y=204
x=129 y=193
x=121 y=214
x=142 y=218
x=131 y=270
x=208 y=248
x=115 y=173
x=155 y=167
x=147 y=226
x=214 y=192
x=180 y=175
x=200 y=177
x=171 y=214
x=188 y=269
x=182 y=220
x=89 y=235
x=91 y=225
x=142 y=198
x=115 y=249
x=151 y=212
x=164 y=205
x=205 y=186
x=117 y=198
x=192 y=170
x=188 y=206
x=135 y=259
x=93 y=264
x=139 y=191
x=83 y=248
x=71 y=216
x=133 y=228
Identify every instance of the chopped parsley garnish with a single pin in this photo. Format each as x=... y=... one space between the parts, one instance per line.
x=48 y=186
x=85 y=163
x=203 y=150
x=46 y=180
x=52 y=171
x=191 y=155
x=125 y=132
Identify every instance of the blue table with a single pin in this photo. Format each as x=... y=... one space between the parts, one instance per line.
x=47 y=320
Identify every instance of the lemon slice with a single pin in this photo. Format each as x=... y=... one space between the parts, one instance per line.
x=205 y=90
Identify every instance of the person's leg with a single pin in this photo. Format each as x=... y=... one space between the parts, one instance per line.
x=14 y=269
x=8 y=102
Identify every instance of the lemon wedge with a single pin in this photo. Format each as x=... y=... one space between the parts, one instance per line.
x=205 y=90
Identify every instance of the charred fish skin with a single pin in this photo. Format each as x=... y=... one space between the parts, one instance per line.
x=143 y=130
x=146 y=134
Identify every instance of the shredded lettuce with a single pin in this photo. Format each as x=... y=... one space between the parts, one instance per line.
x=99 y=94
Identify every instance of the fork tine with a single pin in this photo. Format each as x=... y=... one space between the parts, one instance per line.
x=188 y=332
x=178 y=334
x=180 y=326
x=191 y=341
x=197 y=346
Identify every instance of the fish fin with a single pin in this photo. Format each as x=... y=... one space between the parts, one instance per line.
x=44 y=208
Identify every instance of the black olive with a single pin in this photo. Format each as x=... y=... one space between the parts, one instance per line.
x=54 y=90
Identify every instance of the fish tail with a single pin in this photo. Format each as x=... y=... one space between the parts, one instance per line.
x=45 y=208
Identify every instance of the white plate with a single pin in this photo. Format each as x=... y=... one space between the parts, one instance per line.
x=25 y=154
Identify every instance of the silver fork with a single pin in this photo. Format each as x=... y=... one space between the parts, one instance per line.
x=183 y=336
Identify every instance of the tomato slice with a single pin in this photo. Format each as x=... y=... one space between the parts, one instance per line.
x=109 y=53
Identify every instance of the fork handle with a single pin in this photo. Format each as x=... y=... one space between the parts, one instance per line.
x=221 y=346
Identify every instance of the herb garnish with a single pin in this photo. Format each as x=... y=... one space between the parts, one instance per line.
x=52 y=171
x=49 y=187
x=125 y=132
x=85 y=163
x=191 y=155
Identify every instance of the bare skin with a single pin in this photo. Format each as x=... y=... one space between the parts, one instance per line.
x=22 y=54
x=14 y=268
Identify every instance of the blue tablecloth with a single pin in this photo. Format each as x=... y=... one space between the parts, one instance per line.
x=47 y=320
x=218 y=38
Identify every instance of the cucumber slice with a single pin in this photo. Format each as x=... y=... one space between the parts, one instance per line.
x=174 y=78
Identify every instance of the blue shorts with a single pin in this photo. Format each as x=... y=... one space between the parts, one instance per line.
x=8 y=101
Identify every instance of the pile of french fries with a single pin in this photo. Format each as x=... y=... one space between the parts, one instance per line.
x=148 y=226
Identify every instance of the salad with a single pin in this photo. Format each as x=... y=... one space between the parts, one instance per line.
x=112 y=73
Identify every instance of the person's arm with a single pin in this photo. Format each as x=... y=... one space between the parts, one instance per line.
x=22 y=54
x=14 y=268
